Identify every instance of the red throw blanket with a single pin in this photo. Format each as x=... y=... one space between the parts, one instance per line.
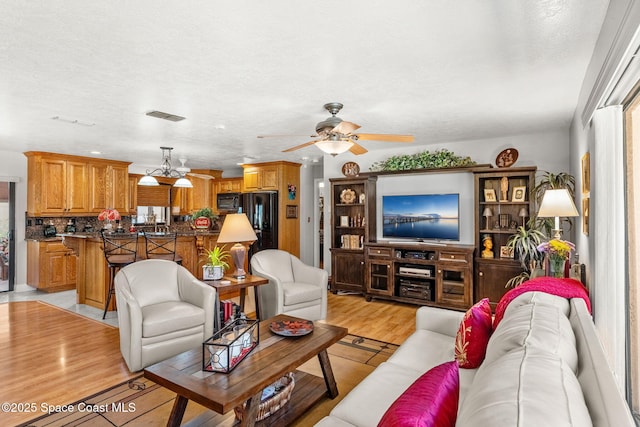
x=566 y=288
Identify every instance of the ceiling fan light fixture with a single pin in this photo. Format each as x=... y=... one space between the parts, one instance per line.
x=148 y=181
x=334 y=147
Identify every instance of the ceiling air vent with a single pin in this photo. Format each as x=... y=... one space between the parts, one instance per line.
x=165 y=116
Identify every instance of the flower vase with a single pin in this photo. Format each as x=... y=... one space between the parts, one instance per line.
x=556 y=266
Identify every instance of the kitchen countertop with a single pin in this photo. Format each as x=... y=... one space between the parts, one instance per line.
x=95 y=235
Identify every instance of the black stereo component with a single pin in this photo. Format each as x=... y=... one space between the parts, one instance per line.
x=415 y=255
x=410 y=289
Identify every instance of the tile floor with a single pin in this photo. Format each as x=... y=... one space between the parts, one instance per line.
x=64 y=299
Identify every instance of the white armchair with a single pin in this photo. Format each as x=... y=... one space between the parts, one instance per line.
x=294 y=288
x=163 y=310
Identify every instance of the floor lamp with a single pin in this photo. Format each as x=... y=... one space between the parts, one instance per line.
x=557 y=203
x=237 y=229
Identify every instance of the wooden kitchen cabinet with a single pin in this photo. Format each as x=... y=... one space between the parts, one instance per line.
x=118 y=186
x=57 y=186
x=228 y=185
x=133 y=194
x=60 y=184
x=180 y=201
x=257 y=178
x=51 y=266
x=283 y=177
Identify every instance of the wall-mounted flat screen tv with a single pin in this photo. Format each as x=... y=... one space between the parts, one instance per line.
x=421 y=217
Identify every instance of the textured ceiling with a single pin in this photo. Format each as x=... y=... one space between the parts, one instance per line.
x=438 y=70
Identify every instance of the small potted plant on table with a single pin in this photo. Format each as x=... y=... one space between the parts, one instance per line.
x=216 y=264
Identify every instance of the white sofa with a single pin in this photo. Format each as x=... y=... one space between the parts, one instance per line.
x=544 y=366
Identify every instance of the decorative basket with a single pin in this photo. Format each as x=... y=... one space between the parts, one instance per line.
x=268 y=406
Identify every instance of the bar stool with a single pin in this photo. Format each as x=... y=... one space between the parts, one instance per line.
x=162 y=246
x=120 y=250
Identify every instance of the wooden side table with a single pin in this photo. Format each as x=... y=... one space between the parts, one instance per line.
x=237 y=285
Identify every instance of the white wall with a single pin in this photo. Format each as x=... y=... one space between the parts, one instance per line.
x=14 y=164
x=613 y=50
x=548 y=150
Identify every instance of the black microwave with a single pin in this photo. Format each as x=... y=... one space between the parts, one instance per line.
x=228 y=202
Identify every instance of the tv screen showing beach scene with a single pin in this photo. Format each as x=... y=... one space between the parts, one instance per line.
x=421 y=217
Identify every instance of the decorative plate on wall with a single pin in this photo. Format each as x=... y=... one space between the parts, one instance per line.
x=350 y=169
x=507 y=158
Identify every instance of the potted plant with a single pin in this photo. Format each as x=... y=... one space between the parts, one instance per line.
x=525 y=247
x=216 y=264
x=203 y=218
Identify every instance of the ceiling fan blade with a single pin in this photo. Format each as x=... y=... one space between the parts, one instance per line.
x=286 y=136
x=345 y=127
x=297 y=147
x=382 y=137
x=199 y=175
x=357 y=149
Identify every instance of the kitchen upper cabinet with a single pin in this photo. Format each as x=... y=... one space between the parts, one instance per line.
x=98 y=199
x=260 y=178
x=59 y=185
x=133 y=194
x=283 y=177
x=228 y=185
x=56 y=186
x=109 y=187
x=118 y=186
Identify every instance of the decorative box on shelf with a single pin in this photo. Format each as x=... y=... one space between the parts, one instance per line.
x=230 y=345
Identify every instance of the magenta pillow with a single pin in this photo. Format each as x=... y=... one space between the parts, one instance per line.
x=432 y=400
x=473 y=335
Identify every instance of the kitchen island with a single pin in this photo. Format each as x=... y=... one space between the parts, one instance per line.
x=92 y=273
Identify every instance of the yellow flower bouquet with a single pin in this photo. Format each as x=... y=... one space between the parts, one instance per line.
x=559 y=252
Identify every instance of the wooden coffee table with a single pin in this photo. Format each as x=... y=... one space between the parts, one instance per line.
x=270 y=360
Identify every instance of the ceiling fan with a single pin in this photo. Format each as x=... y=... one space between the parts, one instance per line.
x=337 y=136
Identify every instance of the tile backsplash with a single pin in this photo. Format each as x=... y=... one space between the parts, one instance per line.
x=35 y=225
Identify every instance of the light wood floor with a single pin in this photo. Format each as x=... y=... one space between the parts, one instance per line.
x=52 y=357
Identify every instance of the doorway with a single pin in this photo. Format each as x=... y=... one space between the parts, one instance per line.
x=318 y=222
x=7 y=233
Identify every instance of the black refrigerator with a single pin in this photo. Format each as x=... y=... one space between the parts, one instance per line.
x=262 y=211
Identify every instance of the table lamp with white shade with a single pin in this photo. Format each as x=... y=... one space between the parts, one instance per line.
x=237 y=229
x=557 y=203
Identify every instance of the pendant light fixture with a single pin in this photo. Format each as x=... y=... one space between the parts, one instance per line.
x=165 y=170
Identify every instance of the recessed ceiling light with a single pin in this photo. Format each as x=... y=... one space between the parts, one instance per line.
x=95 y=152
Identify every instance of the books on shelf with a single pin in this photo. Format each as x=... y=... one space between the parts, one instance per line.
x=351 y=241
